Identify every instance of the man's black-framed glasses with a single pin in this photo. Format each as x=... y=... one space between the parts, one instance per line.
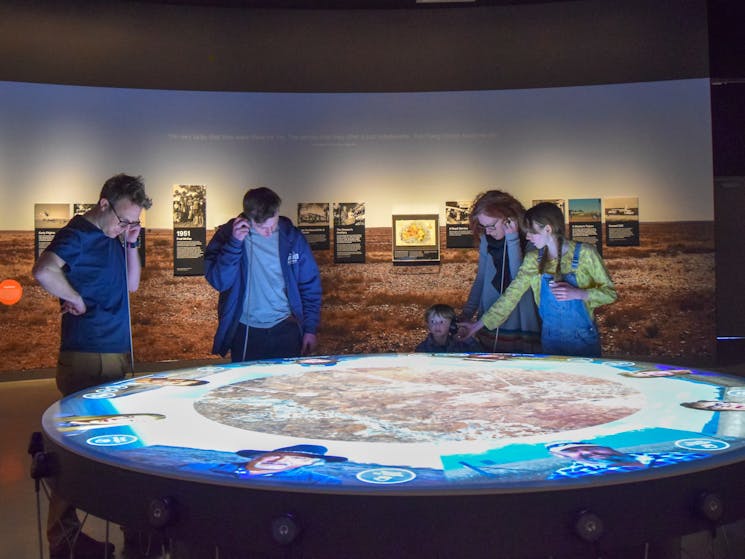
x=123 y=222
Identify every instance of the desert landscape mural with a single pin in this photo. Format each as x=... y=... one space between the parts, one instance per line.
x=665 y=311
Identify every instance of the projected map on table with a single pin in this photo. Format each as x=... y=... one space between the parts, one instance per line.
x=419 y=421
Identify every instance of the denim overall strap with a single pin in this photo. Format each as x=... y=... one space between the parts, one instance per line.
x=575 y=257
x=567 y=327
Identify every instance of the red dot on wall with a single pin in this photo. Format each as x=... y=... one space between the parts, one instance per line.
x=10 y=292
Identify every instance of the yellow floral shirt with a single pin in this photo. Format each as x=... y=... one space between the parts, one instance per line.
x=591 y=276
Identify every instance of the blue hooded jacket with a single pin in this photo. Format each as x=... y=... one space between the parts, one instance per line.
x=226 y=269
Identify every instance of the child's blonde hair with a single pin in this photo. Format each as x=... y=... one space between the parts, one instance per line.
x=443 y=311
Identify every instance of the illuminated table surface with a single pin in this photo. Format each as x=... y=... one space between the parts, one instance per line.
x=407 y=449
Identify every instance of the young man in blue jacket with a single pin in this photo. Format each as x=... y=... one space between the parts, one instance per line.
x=269 y=284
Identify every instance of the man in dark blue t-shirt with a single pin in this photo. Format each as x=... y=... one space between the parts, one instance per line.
x=91 y=264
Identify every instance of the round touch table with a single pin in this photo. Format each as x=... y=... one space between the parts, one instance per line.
x=408 y=455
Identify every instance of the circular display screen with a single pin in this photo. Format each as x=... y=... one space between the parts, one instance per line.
x=415 y=421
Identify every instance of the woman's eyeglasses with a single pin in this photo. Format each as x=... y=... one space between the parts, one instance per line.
x=494 y=226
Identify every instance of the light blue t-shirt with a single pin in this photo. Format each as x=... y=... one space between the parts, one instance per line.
x=265 y=303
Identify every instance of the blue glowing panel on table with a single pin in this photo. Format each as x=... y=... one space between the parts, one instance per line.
x=410 y=422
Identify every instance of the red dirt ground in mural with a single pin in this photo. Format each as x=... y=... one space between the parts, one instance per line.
x=665 y=311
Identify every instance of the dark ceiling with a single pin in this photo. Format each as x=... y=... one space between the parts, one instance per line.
x=726 y=20
x=347 y=4
x=369 y=45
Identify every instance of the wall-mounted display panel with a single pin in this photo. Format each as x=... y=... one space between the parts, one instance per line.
x=585 y=222
x=48 y=219
x=458 y=232
x=416 y=239
x=349 y=232
x=313 y=219
x=189 y=231
x=622 y=221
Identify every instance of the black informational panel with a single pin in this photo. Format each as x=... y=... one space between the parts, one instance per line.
x=188 y=251
x=622 y=222
x=313 y=222
x=48 y=219
x=349 y=233
x=458 y=232
x=585 y=225
x=189 y=229
x=622 y=233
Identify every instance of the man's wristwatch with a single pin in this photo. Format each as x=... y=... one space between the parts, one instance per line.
x=136 y=244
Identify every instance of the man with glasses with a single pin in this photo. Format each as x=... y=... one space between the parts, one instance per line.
x=91 y=265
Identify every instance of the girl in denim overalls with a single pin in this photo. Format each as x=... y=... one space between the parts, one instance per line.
x=569 y=282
